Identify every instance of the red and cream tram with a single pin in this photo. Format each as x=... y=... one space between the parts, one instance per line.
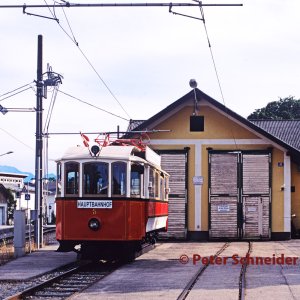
x=110 y=202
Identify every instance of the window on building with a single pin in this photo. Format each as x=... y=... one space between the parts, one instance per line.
x=95 y=178
x=119 y=178
x=72 y=178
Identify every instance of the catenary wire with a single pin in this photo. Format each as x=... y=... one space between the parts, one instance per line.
x=87 y=59
x=16 y=89
x=8 y=133
x=50 y=110
x=19 y=92
x=215 y=67
x=85 y=102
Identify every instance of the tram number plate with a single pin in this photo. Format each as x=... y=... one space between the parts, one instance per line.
x=94 y=204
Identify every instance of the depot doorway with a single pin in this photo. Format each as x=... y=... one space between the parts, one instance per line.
x=239 y=194
x=175 y=163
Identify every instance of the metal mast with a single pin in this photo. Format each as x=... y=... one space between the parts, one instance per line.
x=38 y=226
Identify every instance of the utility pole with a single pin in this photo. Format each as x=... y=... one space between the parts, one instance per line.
x=38 y=226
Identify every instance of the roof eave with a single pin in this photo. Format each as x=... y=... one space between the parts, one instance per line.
x=201 y=95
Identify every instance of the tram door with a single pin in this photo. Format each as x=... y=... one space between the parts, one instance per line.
x=174 y=162
x=239 y=195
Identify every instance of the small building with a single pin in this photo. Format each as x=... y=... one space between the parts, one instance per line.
x=24 y=194
x=12 y=181
x=230 y=178
x=4 y=195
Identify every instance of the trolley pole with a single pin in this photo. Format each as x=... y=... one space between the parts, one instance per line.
x=38 y=225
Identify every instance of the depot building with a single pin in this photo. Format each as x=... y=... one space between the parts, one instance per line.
x=230 y=178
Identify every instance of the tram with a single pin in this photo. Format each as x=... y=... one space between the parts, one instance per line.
x=112 y=198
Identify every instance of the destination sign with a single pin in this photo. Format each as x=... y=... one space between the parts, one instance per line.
x=94 y=204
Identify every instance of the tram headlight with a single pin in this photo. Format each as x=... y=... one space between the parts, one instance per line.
x=95 y=149
x=94 y=224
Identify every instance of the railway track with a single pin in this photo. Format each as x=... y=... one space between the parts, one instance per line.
x=242 y=275
x=73 y=280
x=68 y=283
x=8 y=238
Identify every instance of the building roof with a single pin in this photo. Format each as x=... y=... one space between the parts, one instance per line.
x=17 y=175
x=134 y=123
x=186 y=99
x=286 y=130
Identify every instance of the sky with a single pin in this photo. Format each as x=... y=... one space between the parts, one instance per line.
x=146 y=57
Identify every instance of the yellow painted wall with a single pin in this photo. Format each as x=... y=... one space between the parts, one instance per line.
x=218 y=126
x=277 y=193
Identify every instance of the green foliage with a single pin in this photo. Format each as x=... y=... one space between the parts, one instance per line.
x=11 y=205
x=284 y=109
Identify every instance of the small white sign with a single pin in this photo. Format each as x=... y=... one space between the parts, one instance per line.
x=94 y=204
x=252 y=208
x=223 y=208
x=198 y=180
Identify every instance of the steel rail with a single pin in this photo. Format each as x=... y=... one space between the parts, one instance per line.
x=42 y=285
x=242 y=280
x=183 y=295
x=81 y=269
x=8 y=239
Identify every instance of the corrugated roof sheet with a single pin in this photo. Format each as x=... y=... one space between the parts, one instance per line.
x=133 y=124
x=286 y=130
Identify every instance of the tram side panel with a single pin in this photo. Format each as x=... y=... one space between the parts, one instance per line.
x=126 y=220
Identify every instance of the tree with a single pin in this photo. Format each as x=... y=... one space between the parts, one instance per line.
x=11 y=205
x=284 y=109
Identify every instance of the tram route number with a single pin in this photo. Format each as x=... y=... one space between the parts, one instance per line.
x=94 y=204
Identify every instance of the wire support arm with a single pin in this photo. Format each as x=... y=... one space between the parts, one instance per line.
x=78 y=5
x=183 y=15
x=109 y=132
x=36 y=15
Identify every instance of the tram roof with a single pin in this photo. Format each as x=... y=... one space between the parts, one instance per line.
x=112 y=153
x=108 y=152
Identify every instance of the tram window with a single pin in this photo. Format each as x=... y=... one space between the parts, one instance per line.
x=151 y=183
x=95 y=178
x=72 y=175
x=119 y=178
x=156 y=192
x=137 y=172
x=162 y=187
x=167 y=189
x=58 y=180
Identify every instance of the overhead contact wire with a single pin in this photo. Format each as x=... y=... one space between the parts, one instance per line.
x=108 y=112
x=215 y=66
x=88 y=61
x=14 y=93
x=8 y=133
